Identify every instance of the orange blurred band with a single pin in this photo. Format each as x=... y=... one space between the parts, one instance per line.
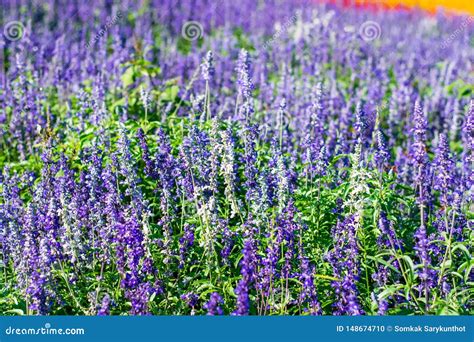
x=456 y=6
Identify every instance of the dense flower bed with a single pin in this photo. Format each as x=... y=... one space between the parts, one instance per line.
x=217 y=157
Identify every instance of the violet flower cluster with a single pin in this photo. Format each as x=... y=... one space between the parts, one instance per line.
x=143 y=173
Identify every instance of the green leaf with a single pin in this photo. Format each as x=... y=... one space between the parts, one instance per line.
x=383 y=262
x=411 y=268
x=170 y=94
x=128 y=77
x=16 y=312
x=326 y=277
x=463 y=248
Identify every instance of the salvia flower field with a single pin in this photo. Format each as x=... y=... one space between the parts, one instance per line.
x=235 y=158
